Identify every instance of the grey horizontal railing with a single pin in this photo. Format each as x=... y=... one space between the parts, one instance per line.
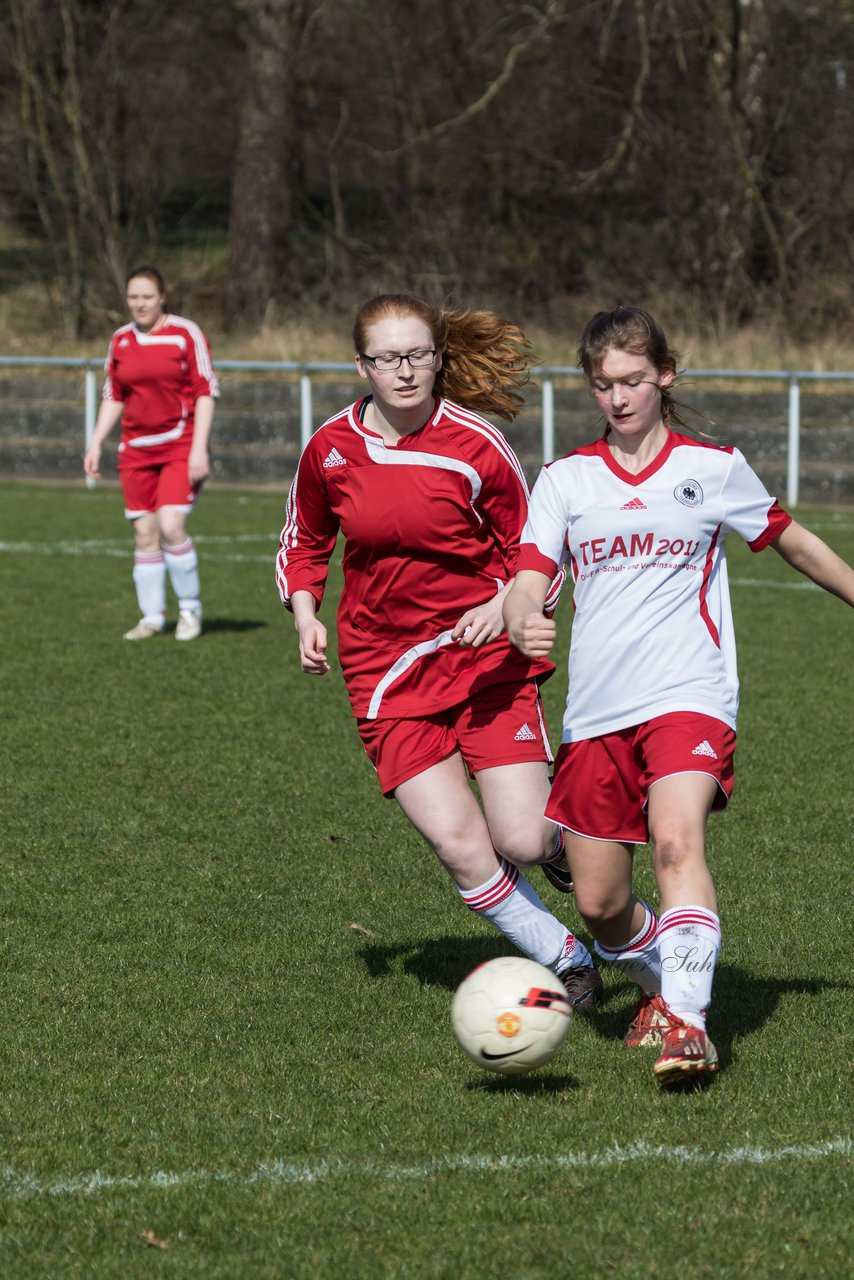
x=545 y=376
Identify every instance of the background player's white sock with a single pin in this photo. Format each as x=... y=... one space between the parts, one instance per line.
x=509 y=902
x=149 y=577
x=183 y=565
x=638 y=959
x=689 y=942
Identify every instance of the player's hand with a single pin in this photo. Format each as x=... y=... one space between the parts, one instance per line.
x=312 y=648
x=92 y=462
x=198 y=466
x=534 y=634
x=480 y=625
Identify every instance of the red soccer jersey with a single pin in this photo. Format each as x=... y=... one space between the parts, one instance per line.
x=431 y=529
x=159 y=377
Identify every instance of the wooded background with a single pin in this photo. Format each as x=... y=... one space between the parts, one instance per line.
x=504 y=153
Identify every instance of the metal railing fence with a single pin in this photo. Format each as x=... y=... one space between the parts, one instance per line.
x=543 y=376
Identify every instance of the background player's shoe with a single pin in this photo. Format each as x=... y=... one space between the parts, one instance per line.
x=189 y=624
x=558 y=873
x=144 y=630
x=687 y=1054
x=649 y=1021
x=583 y=986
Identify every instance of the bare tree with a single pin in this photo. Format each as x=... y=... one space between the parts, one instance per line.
x=69 y=146
x=262 y=187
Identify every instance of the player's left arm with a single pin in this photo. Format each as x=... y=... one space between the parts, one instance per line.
x=807 y=553
x=198 y=463
x=503 y=503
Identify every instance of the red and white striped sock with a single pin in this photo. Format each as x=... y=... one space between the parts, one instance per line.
x=638 y=958
x=183 y=565
x=149 y=578
x=689 y=943
x=509 y=902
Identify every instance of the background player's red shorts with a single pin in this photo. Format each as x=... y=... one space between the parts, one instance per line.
x=166 y=484
x=601 y=785
x=502 y=724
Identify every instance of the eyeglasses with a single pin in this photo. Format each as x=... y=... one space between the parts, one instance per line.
x=387 y=364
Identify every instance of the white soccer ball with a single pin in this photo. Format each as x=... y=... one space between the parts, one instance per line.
x=511 y=1015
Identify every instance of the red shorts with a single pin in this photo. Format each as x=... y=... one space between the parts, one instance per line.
x=166 y=484
x=502 y=724
x=601 y=785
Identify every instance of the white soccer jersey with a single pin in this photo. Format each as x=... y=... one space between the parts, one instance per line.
x=653 y=630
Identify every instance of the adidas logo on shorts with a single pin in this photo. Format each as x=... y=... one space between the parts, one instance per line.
x=704 y=749
x=525 y=735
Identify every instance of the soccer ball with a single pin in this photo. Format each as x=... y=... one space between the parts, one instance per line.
x=511 y=1015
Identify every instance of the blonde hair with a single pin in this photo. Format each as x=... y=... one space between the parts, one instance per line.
x=485 y=360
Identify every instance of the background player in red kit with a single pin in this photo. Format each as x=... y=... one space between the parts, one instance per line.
x=161 y=384
x=641 y=516
x=430 y=499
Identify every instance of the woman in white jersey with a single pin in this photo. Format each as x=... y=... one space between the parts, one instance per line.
x=161 y=385
x=430 y=500
x=641 y=517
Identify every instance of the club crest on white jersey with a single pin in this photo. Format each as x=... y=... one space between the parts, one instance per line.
x=689 y=493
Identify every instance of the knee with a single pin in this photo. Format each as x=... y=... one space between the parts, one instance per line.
x=172 y=530
x=602 y=909
x=525 y=848
x=674 y=851
x=146 y=540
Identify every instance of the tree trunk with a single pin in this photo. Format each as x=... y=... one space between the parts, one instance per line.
x=262 y=188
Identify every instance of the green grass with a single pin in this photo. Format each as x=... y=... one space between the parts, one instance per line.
x=198 y=1043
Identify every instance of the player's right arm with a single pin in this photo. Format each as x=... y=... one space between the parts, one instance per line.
x=312 y=634
x=527 y=626
x=108 y=415
x=306 y=543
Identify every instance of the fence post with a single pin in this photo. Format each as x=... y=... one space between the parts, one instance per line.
x=793 y=458
x=548 y=402
x=305 y=414
x=89 y=415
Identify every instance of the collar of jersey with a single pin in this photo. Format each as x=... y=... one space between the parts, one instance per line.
x=629 y=476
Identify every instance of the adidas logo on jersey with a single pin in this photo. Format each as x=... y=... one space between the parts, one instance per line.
x=525 y=735
x=334 y=459
x=705 y=749
x=634 y=505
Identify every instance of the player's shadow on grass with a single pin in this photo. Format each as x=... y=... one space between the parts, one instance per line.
x=231 y=624
x=438 y=962
x=444 y=962
x=743 y=1002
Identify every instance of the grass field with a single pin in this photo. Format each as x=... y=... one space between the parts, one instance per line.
x=228 y=963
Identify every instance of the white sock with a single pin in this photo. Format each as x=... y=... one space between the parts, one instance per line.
x=638 y=959
x=149 y=576
x=689 y=942
x=183 y=565
x=509 y=902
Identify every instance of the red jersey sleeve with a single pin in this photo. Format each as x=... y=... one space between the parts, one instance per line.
x=201 y=378
x=112 y=387
x=504 y=502
x=309 y=532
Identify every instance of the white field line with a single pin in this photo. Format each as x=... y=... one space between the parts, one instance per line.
x=14 y=1185
x=122 y=549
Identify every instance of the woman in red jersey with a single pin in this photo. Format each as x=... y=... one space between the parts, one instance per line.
x=161 y=384
x=430 y=500
x=642 y=516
